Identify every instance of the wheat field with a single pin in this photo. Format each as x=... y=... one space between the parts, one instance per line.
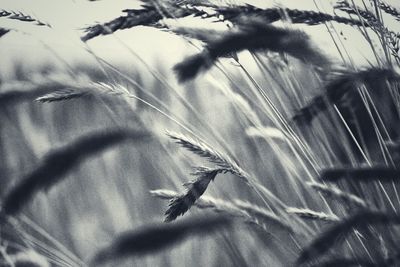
x=199 y=133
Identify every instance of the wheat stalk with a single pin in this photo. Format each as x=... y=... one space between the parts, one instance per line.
x=312 y=215
x=149 y=15
x=79 y=90
x=253 y=35
x=203 y=150
x=62 y=95
x=368 y=16
x=390 y=10
x=181 y=204
x=21 y=17
x=248 y=212
x=270 y=15
x=389 y=38
x=335 y=193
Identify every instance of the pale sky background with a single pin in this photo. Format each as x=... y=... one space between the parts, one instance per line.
x=28 y=43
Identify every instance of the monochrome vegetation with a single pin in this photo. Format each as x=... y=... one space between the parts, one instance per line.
x=301 y=166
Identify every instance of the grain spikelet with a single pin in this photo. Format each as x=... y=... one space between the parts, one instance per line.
x=329 y=238
x=368 y=16
x=17 y=96
x=336 y=193
x=267 y=132
x=390 y=38
x=82 y=90
x=56 y=164
x=255 y=36
x=157 y=237
x=389 y=10
x=206 y=202
x=3 y=31
x=39 y=85
x=203 y=150
x=181 y=204
x=199 y=148
x=147 y=16
x=269 y=15
x=263 y=216
x=312 y=215
x=362 y=174
x=248 y=212
x=343 y=86
x=21 y=17
x=62 y=95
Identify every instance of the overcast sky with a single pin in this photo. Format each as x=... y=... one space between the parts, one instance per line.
x=30 y=42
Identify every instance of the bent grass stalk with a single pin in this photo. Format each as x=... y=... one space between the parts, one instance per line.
x=223 y=161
